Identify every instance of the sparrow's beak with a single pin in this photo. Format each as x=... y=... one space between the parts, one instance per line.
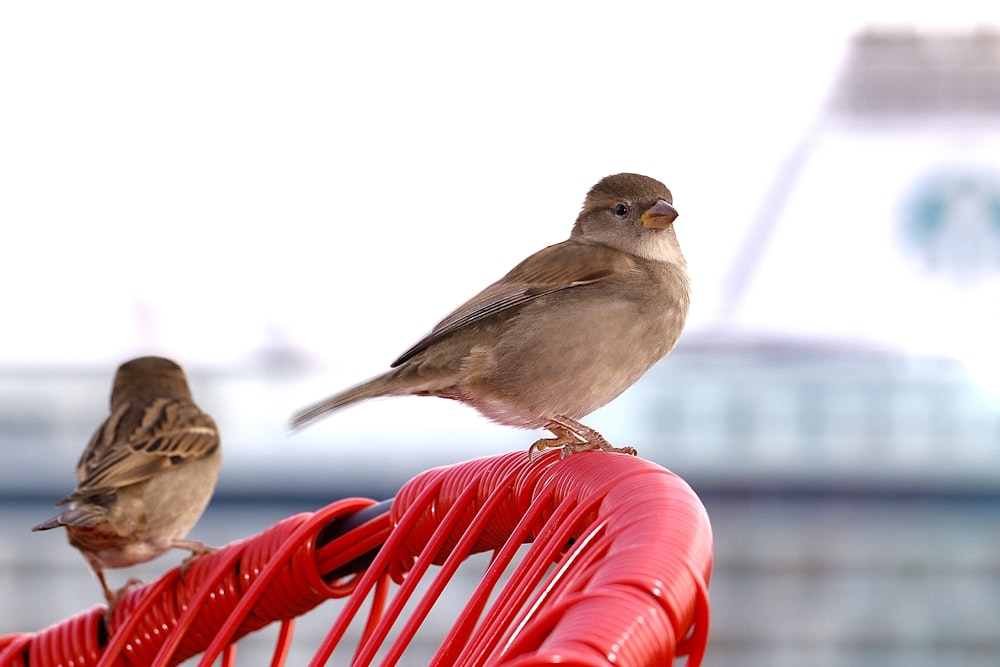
x=659 y=215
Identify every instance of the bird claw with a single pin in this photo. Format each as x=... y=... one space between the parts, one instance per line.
x=198 y=550
x=587 y=447
x=573 y=437
x=113 y=597
x=539 y=446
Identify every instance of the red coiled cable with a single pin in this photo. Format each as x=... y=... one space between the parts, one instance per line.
x=617 y=572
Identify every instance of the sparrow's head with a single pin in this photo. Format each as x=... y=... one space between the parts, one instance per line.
x=147 y=378
x=632 y=213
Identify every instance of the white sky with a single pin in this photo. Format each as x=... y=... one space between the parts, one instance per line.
x=177 y=178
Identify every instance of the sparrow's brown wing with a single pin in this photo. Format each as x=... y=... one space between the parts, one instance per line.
x=562 y=266
x=139 y=441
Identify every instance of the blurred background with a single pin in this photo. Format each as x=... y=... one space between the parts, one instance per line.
x=283 y=198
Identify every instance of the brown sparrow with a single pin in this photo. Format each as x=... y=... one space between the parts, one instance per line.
x=565 y=331
x=147 y=474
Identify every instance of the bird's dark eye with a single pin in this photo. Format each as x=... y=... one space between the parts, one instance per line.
x=621 y=210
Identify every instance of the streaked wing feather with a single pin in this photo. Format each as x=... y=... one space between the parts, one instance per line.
x=137 y=442
x=558 y=267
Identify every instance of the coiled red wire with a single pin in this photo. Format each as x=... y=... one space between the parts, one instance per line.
x=617 y=573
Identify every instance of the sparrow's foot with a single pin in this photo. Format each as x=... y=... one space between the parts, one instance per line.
x=194 y=546
x=114 y=597
x=197 y=549
x=562 y=440
x=573 y=437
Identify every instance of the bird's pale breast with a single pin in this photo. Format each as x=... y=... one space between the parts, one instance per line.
x=593 y=342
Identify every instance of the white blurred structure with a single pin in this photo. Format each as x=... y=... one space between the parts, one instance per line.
x=857 y=339
x=859 y=332
x=885 y=226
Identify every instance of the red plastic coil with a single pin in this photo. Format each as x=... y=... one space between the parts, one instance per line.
x=617 y=573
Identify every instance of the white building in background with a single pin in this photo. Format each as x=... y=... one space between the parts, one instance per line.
x=885 y=229
x=860 y=337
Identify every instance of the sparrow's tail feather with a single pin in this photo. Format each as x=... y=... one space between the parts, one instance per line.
x=84 y=515
x=48 y=525
x=379 y=386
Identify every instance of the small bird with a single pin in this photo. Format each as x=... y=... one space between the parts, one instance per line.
x=564 y=332
x=147 y=474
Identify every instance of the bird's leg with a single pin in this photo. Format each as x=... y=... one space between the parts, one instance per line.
x=194 y=546
x=98 y=570
x=197 y=549
x=109 y=595
x=131 y=583
x=564 y=438
x=573 y=437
